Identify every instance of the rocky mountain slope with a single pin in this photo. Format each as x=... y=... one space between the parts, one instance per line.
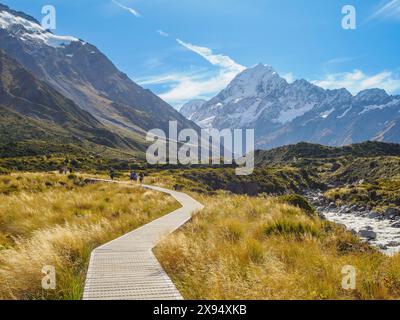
x=32 y=111
x=284 y=113
x=192 y=108
x=80 y=72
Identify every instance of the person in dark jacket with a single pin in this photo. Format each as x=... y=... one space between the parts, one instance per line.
x=133 y=177
x=141 y=177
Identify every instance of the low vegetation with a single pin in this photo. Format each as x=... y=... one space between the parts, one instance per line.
x=378 y=194
x=299 y=202
x=211 y=180
x=242 y=247
x=52 y=219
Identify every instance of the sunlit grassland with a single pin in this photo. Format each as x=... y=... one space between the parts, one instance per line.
x=52 y=219
x=242 y=247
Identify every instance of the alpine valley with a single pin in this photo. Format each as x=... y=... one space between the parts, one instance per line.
x=83 y=215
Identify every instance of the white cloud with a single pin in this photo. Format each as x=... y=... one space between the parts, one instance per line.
x=357 y=81
x=389 y=10
x=215 y=59
x=289 y=77
x=131 y=10
x=341 y=60
x=199 y=84
x=162 y=33
x=188 y=88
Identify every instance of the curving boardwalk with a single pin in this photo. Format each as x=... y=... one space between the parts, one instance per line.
x=126 y=268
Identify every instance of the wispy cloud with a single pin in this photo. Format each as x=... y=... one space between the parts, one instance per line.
x=131 y=10
x=162 y=33
x=388 y=10
x=341 y=60
x=215 y=59
x=357 y=81
x=200 y=83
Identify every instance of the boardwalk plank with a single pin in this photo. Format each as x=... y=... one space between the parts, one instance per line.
x=126 y=268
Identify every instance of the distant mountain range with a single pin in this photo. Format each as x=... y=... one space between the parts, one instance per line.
x=62 y=93
x=285 y=113
x=71 y=85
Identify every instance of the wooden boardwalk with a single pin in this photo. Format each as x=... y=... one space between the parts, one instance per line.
x=126 y=268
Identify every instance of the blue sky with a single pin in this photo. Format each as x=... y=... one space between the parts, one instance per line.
x=184 y=49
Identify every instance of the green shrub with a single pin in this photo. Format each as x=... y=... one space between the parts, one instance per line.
x=298 y=201
x=286 y=227
x=72 y=177
x=4 y=171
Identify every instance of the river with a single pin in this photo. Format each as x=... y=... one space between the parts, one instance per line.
x=384 y=236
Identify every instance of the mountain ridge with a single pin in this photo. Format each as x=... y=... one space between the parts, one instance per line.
x=33 y=111
x=286 y=113
x=82 y=73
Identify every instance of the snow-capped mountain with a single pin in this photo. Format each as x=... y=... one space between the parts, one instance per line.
x=192 y=107
x=82 y=73
x=29 y=30
x=283 y=113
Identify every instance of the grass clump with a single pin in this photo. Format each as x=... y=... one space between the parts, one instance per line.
x=273 y=251
x=60 y=225
x=292 y=228
x=298 y=201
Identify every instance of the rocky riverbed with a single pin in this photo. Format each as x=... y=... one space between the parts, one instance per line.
x=381 y=230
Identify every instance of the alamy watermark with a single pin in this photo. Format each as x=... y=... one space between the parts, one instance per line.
x=49 y=280
x=187 y=147
x=349 y=20
x=349 y=277
x=49 y=21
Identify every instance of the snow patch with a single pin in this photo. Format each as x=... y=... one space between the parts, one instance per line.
x=344 y=113
x=206 y=123
x=326 y=113
x=380 y=107
x=32 y=31
x=291 y=114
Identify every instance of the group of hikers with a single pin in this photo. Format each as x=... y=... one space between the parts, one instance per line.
x=134 y=177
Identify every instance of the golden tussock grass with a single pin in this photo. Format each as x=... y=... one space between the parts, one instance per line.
x=48 y=219
x=257 y=248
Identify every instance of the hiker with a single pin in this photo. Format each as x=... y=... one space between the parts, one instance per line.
x=141 y=177
x=112 y=174
x=63 y=170
x=133 y=177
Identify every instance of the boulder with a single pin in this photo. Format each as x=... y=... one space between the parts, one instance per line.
x=345 y=209
x=367 y=234
x=383 y=247
x=373 y=215
x=354 y=208
x=396 y=225
x=392 y=213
